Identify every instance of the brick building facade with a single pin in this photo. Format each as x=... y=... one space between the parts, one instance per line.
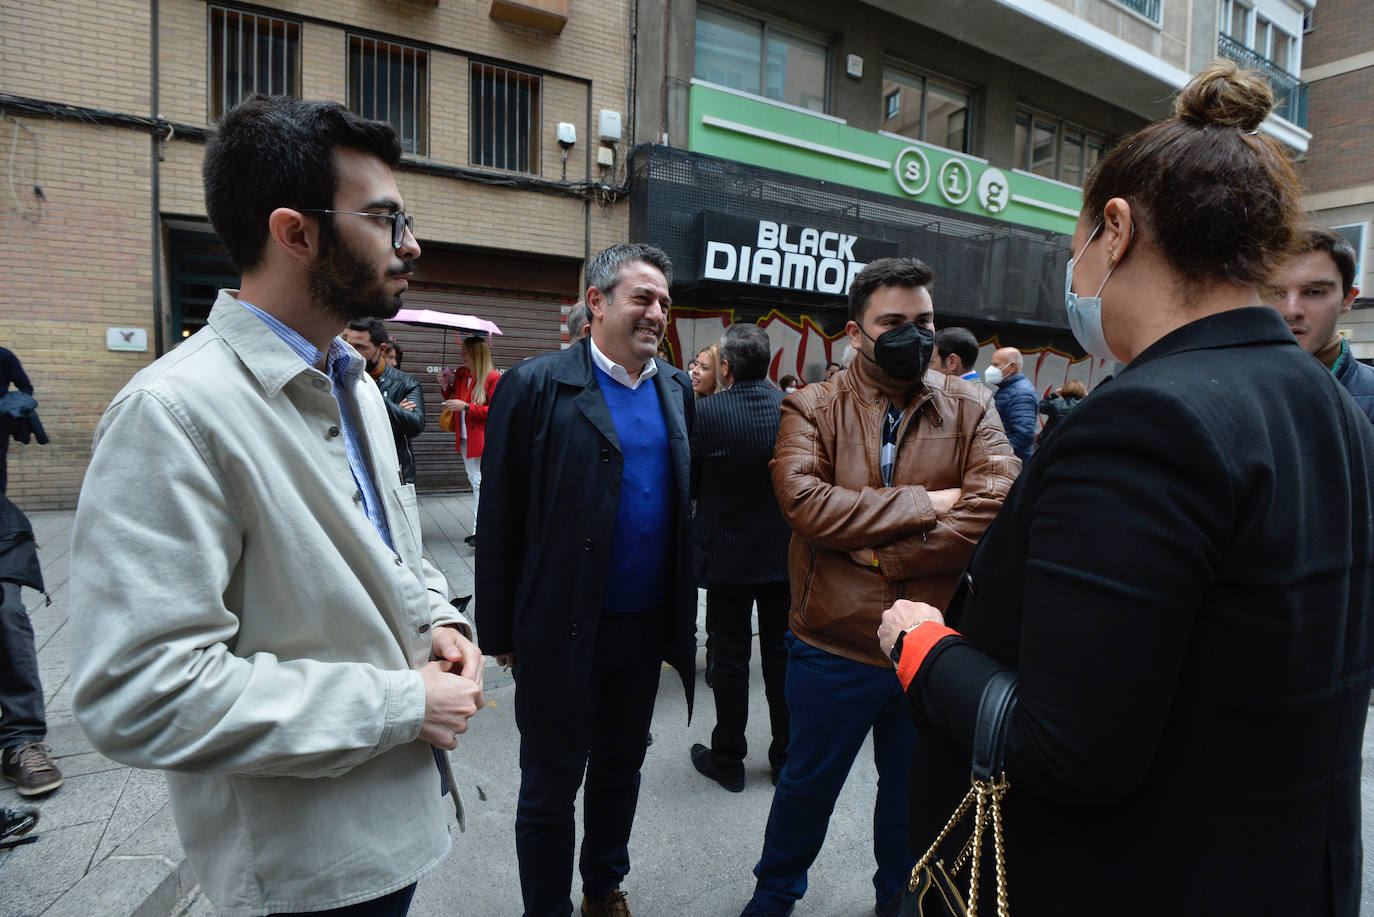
x=103 y=111
x=1338 y=65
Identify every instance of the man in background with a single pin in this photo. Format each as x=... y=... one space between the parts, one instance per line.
x=405 y=402
x=27 y=762
x=956 y=350
x=579 y=325
x=1016 y=400
x=741 y=551
x=11 y=373
x=1312 y=291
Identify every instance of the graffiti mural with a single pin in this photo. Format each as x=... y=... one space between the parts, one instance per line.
x=1049 y=367
x=800 y=347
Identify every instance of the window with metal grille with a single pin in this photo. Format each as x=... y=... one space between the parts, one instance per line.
x=251 y=53
x=390 y=82
x=504 y=127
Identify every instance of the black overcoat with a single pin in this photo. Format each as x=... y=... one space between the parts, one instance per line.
x=1183 y=579
x=741 y=536
x=551 y=472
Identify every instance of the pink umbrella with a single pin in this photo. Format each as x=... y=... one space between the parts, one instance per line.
x=445 y=320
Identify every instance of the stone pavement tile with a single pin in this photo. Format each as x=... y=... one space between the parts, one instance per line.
x=36 y=875
x=144 y=886
x=82 y=800
x=91 y=762
x=144 y=794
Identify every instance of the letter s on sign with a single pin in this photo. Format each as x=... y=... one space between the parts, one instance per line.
x=911 y=169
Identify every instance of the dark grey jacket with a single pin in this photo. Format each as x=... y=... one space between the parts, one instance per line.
x=18 y=553
x=1358 y=379
x=396 y=387
x=741 y=536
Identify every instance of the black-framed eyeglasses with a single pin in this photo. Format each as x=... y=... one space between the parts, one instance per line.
x=398 y=220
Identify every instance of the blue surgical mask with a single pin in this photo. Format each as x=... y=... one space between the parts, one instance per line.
x=1085 y=312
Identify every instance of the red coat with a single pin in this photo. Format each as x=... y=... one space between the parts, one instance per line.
x=476 y=414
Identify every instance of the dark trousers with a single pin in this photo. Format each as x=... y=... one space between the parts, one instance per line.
x=607 y=743
x=728 y=620
x=395 y=904
x=21 y=694
x=835 y=702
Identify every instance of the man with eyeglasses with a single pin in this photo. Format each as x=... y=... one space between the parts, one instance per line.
x=251 y=612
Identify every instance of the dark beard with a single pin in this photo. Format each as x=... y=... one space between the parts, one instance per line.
x=344 y=286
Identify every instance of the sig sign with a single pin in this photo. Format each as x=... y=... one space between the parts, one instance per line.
x=770 y=253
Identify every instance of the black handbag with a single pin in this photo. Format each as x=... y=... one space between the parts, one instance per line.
x=933 y=890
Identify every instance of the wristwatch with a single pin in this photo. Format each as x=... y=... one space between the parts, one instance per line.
x=896 y=653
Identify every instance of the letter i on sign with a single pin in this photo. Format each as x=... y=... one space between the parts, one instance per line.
x=952 y=183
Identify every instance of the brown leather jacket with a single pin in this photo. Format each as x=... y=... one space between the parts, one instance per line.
x=829 y=485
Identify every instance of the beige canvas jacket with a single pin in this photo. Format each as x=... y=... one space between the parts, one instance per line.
x=238 y=623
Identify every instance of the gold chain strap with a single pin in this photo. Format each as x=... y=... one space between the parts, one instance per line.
x=986 y=797
x=954 y=819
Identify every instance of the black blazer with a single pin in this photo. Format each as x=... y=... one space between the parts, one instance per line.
x=1183 y=579
x=551 y=472
x=741 y=536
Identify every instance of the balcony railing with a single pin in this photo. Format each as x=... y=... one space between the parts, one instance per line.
x=1290 y=93
x=1147 y=8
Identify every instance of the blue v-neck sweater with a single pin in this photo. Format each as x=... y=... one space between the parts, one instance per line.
x=639 y=573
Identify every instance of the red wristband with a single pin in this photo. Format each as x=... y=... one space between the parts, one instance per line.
x=916 y=644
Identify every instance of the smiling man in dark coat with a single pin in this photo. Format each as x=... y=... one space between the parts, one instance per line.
x=584 y=578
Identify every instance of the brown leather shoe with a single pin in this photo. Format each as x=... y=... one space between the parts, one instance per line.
x=613 y=906
x=30 y=769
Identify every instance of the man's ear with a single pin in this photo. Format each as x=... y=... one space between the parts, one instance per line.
x=596 y=303
x=1350 y=298
x=296 y=235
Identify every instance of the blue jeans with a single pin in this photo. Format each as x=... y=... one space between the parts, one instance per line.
x=834 y=702
x=21 y=694
x=395 y=904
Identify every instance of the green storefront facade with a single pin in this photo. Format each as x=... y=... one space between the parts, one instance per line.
x=772 y=209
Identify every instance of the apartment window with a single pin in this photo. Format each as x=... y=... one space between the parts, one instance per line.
x=1056 y=149
x=1354 y=233
x=1272 y=42
x=924 y=108
x=1234 y=20
x=390 y=82
x=251 y=53
x=1147 y=8
x=761 y=58
x=505 y=118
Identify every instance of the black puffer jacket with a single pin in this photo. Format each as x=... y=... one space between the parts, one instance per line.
x=18 y=553
x=1054 y=408
x=396 y=387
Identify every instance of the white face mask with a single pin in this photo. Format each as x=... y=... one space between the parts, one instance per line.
x=1085 y=312
x=992 y=375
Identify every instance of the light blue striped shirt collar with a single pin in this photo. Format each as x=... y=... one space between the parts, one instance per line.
x=343 y=367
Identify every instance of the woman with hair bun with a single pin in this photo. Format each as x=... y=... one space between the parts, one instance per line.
x=1182 y=580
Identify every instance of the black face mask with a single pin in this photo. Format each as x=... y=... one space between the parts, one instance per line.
x=903 y=352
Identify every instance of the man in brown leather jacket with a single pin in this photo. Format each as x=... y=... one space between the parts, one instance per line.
x=888 y=476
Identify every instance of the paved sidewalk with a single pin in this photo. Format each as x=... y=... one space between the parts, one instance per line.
x=108 y=845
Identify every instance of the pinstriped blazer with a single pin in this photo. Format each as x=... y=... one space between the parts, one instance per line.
x=741 y=536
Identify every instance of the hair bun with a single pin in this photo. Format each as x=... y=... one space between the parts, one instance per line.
x=1225 y=95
